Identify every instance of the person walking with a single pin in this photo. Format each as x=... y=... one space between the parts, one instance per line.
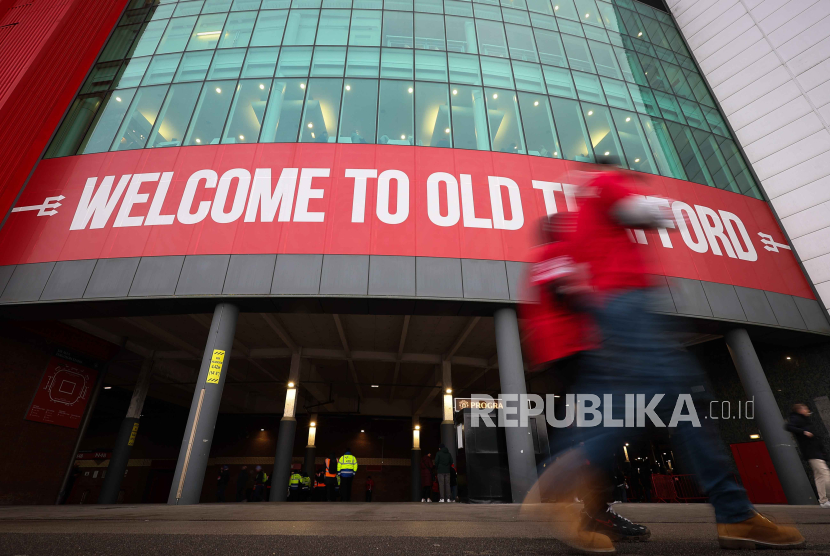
x=222 y=483
x=800 y=423
x=370 y=486
x=242 y=484
x=427 y=472
x=453 y=484
x=346 y=467
x=259 y=484
x=443 y=466
x=331 y=478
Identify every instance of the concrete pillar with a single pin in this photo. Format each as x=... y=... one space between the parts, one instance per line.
x=520 y=456
x=311 y=448
x=285 y=437
x=126 y=437
x=780 y=443
x=447 y=425
x=416 y=459
x=198 y=434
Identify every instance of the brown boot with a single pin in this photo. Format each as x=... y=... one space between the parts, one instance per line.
x=758 y=532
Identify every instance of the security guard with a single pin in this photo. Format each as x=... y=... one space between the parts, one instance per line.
x=294 y=486
x=332 y=478
x=346 y=467
x=305 y=487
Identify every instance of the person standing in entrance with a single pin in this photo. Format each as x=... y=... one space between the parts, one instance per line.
x=443 y=466
x=427 y=471
x=370 y=486
x=241 y=483
x=800 y=423
x=222 y=483
x=331 y=478
x=347 y=467
x=259 y=484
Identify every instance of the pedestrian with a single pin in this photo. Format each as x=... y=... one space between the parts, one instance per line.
x=800 y=423
x=259 y=484
x=294 y=482
x=222 y=483
x=331 y=478
x=319 y=493
x=370 y=486
x=427 y=472
x=637 y=357
x=346 y=468
x=242 y=484
x=453 y=484
x=443 y=465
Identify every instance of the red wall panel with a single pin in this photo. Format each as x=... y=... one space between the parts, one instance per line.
x=46 y=50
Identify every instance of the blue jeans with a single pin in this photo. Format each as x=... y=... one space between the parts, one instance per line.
x=637 y=357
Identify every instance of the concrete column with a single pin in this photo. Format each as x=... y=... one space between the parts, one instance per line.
x=780 y=443
x=198 y=434
x=285 y=437
x=126 y=437
x=416 y=459
x=447 y=425
x=311 y=448
x=520 y=456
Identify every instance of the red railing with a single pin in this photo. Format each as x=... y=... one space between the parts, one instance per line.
x=676 y=488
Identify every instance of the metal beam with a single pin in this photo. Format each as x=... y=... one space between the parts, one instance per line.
x=345 y=343
x=494 y=363
x=278 y=328
x=404 y=330
x=163 y=335
x=463 y=336
x=424 y=399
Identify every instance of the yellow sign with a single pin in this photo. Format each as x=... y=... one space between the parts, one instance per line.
x=131 y=441
x=215 y=370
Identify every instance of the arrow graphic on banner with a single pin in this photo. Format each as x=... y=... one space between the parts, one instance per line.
x=43 y=210
x=770 y=244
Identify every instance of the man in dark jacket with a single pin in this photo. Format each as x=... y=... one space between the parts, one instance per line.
x=443 y=464
x=800 y=423
x=222 y=483
x=241 y=483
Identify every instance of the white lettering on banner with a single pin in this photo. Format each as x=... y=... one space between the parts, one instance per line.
x=547 y=188
x=133 y=197
x=682 y=213
x=382 y=207
x=98 y=207
x=515 y=198
x=663 y=232
x=730 y=221
x=713 y=228
x=434 y=199
x=469 y=207
x=243 y=182
x=305 y=193
x=359 y=198
x=267 y=200
x=155 y=217
x=185 y=216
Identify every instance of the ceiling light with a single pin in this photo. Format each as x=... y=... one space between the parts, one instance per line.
x=310 y=125
x=241 y=137
x=590 y=112
x=447 y=130
x=555 y=153
x=495 y=96
x=417 y=427
x=208 y=33
x=536 y=103
x=449 y=390
x=411 y=89
x=361 y=430
x=555 y=8
x=587 y=15
x=312 y=135
x=626 y=443
x=218 y=90
x=375 y=386
x=302 y=85
x=312 y=424
x=348 y=87
x=788 y=358
x=198 y=140
x=291 y=385
x=118 y=99
x=261 y=86
x=628 y=119
x=754 y=436
x=262 y=430
x=636 y=160
x=403 y=137
x=607 y=153
x=107 y=387
x=640 y=34
x=557 y=396
x=455 y=91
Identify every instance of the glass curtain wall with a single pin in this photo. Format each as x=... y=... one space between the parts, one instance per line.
x=569 y=79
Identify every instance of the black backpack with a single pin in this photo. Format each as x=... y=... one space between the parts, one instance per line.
x=332 y=470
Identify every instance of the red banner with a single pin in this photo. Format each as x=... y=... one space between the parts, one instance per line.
x=364 y=199
x=63 y=394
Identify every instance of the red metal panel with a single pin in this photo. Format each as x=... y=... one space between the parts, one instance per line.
x=757 y=473
x=46 y=50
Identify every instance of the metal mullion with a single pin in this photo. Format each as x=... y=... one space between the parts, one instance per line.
x=190 y=122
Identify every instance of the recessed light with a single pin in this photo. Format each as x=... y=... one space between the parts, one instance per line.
x=361 y=430
x=607 y=153
x=198 y=140
x=590 y=112
x=302 y=85
x=455 y=91
x=411 y=89
x=118 y=99
x=218 y=90
x=536 y=103
x=241 y=137
x=208 y=33
x=403 y=137
x=312 y=424
x=636 y=160
x=495 y=96
x=261 y=86
x=447 y=130
x=555 y=8
x=310 y=125
x=375 y=386
x=348 y=87
x=107 y=387
x=587 y=15
x=754 y=436
x=628 y=119
x=640 y=34
x=291 y=385
x=262 y=430
x=449 y=390
x=788 y=358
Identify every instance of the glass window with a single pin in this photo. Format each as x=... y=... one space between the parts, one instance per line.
x=522 y=45
x=588 y=87
x=689 y=154
x=306 y=3
x=269 y=28
x=244 y=5
x=429 y=32
x=109 y=117
x=588 y=12
x=453 y=7
x=328 y=62
x=570 y=27
x=119 y=44
x=605 y=60
x=529 y=77
x=544 y=22
x=601 y=129
x=140 y=118
x=699 y=90
x=566 y=9
x=559 y=82
x=337 y=3
x=491 y=40
x=551 y=51
x=669 y=107
x=74 y=126
x=363 y=62
x=737 y=166
x=431 y=6
x=631 y=68
x=301 y=27
x=216 y=6
x=496 y=72
x=715 y=162
x=515 y=16
x=659 y=139
x=482 y=11
x=610 y=17
x=654 y=72
x=431 y=66
x=161 y=69
x=464 y=68
x=260 y=62
x=294 y=61
x=211 y=111
x=693 y=113
x=432 y=115
x=368 y=4
x=579 y=57
x=226 y=64
x=397 y=29
x=395 y=113
x=365 y=30
x=238 y=30
x=207 y=32
x=469 y=118
x=540 y=6
x=616 y=93
x=360 y=111
x=101 y=78
x=715 y=121
x=597 y=34
x=247 y=111
x=461 y=35
x=174 y=115
x=133 y=73
x=149 y=38
x=666 y=55
x=396 y=63
x=573 y=136
x=194 y=66
x=334 y=27
x=643 y=100
x=321 y=111
x=161 y=12
x=189 y=8
x=634 y=142
x=404 y=5
x=176 y=35
x=285 y=107
x=539 y=131
x=505 y=121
